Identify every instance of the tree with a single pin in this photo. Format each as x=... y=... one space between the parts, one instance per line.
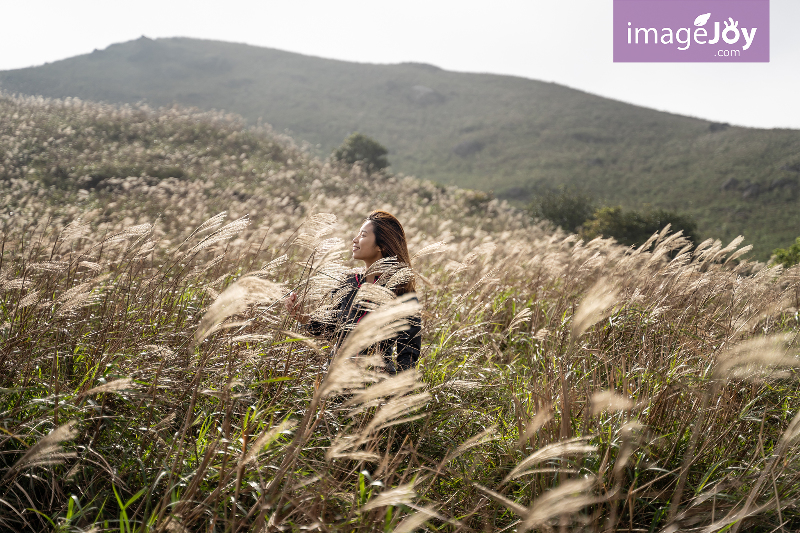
x=360 y=148
x=633 y=228
x=567 y=209
x=789 y=256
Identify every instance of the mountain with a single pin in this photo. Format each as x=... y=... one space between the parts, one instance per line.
x=505 y=134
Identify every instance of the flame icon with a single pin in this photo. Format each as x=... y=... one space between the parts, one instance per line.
x=702 y=19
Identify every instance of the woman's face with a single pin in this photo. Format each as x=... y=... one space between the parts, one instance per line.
x=364 y=246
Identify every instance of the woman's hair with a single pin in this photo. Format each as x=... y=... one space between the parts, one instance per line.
x=391 y=239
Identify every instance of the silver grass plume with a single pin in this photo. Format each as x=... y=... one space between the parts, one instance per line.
x=159 y=351
x=676 y=240
x=374 y=293
x=74 y=230
x=78 y=296
x=462 y=384
x=520 y=317
x=416 y=520
x=212 y=222
x=164 y=422
x=435 y=248
x=566 y=499
x=402 y=495
x=127 y=233
x=346 y=447
x=487 y=435
x=235 y=299
x=399 y=384
x=146 y=248
x=47 y=451
x=482 y=251
x=576 y=446
x=738 y=253
x=327 y=311
x=593 y=262
x=608 y=400
x=756 y=359
x=211 y=292
x=50 y=266
x=734 y=244
x=257 y=338
x=328 y=277
x=425 y=280
x=455 y=267
x=535 y=424
x=226 y=232
x=394 y=411
x=399 y=278
x=664 y=231
x=346 y=373
x=382 y=265
x=319 y=222
x=31 y=298
x=274 y=264
x=593 y=307
x=265 y=439
x=314 y=228
x=327 y=246
x=708 y=251
x=647 y=244
x=513 y=506
x=91 y=265
x=486 y=278
x=700 y=248
x=630 y=434
x=209 y=264
x=17 y=283
x=112 y=386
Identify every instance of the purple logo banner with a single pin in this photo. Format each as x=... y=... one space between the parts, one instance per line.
x=698 y=31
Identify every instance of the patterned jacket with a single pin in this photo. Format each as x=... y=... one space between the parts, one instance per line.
x=400 y=352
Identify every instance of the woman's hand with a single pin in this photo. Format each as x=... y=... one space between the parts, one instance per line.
x=293 y=308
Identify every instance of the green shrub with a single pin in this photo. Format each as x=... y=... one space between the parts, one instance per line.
x=566 y=209
x=359 y=147
x=633 y=228
x=789 y=256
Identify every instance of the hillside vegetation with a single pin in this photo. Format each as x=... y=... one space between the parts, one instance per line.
x=579 y=386
x=509 y=135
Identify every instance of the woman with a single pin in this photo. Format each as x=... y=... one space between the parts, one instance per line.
x=381 y=236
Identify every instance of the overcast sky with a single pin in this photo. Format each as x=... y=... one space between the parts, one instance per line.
x=564 y=41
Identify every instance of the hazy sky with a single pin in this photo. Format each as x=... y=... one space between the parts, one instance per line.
x=565 y=41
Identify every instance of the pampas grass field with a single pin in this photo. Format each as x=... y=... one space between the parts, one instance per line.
x=151 y=380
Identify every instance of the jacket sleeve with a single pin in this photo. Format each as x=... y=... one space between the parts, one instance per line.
x=319 y=328
x=346 y=293
x=409 y=344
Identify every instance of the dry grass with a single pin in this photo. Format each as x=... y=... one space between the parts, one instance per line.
x=564 y=385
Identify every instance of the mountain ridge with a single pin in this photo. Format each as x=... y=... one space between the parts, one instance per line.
x=510 y=135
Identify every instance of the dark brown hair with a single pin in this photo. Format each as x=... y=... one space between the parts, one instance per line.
x=391 y=239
